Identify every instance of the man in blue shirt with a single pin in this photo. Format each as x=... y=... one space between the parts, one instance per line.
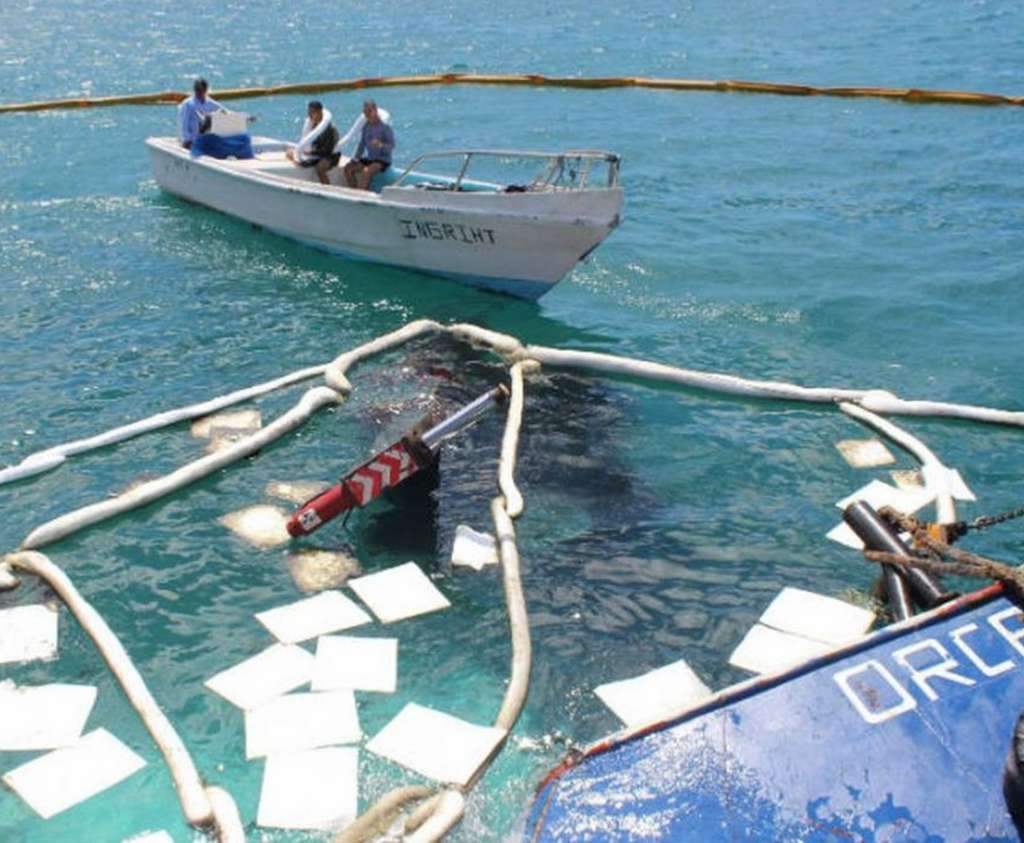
x=373 y=155
x=192 y=111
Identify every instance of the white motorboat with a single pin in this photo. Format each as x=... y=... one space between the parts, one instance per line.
x=455 y=214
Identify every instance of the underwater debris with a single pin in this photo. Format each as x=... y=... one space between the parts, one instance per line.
x=318 y=569
x=865 y=453
x=245 y=420
x=295 y=491
x=262 y=525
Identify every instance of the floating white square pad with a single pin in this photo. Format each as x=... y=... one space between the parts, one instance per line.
x=28 y=633
x=316 y=789
x=151 y=837
x=766 y=650
x=880 y=494
x=328 y=611
x=435 y=744
x=816 y=616
x=865 y=453
x=275 y=671
x=399 y=592
x=65 y=777
x=297 y=722
x=43 y=716
x=844 y=535
x=362 y=664
x=653 y=695
x=474 y=549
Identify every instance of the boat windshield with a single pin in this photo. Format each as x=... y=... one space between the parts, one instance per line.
x=510 y=171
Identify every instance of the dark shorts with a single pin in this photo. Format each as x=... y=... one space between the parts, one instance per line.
x=334 y=159
x=367 y=161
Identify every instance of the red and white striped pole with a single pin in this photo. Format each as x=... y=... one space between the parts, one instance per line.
x=389 y=468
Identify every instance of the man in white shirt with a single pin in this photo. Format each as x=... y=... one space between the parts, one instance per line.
x=192 y=112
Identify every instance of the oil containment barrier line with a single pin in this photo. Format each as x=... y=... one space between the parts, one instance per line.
x=71 y=522
x=909 y=95
x=935 y=474
x=196 y=801
x=50 y=458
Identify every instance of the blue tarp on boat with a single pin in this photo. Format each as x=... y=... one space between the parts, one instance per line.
x=223 y=146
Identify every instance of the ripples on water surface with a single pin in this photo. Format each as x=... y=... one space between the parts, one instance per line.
x=823 y=241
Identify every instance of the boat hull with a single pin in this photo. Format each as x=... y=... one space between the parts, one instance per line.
x=519 y=244
x=901 y=737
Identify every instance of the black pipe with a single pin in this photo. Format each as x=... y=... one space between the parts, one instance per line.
x=926 y=589
x=876 y=535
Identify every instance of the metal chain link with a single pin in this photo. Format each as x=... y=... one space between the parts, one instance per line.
x=991 y=520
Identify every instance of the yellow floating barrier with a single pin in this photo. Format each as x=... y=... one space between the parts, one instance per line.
x=910 y=95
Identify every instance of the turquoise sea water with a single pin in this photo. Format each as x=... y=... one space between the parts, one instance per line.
x=821 y=241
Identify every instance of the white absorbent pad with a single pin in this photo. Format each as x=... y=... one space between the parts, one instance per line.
x=766 y=650
x=298 y=722
x=474 y=549
x=436 y=745
x=275 y=671
x=816 y=616
x=328 y=611
x=28 y=633
x=400 y=592
x=362 y=664
x=315 y=789
x=60 y=779
x=653 y=695
x=879 y=494
x=43 y=716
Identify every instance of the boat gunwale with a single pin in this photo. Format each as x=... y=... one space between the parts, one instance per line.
x=341 y=193
x=758 y=684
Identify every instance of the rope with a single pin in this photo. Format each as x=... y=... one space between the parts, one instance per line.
x=908 y=95
x=940 y=558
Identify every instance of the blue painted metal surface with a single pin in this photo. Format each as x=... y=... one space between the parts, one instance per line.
x=901 y=737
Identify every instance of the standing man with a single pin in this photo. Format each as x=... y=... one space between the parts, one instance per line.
x=373 y=155
x=193 y=111
x=316 y=146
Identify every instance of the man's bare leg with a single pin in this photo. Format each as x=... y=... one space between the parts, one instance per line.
x=366 y=175
x=322 y=166
x=349 y=172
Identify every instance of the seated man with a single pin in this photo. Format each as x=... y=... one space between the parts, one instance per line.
x=316 y=146
x=192 y=119
x=373 y=155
